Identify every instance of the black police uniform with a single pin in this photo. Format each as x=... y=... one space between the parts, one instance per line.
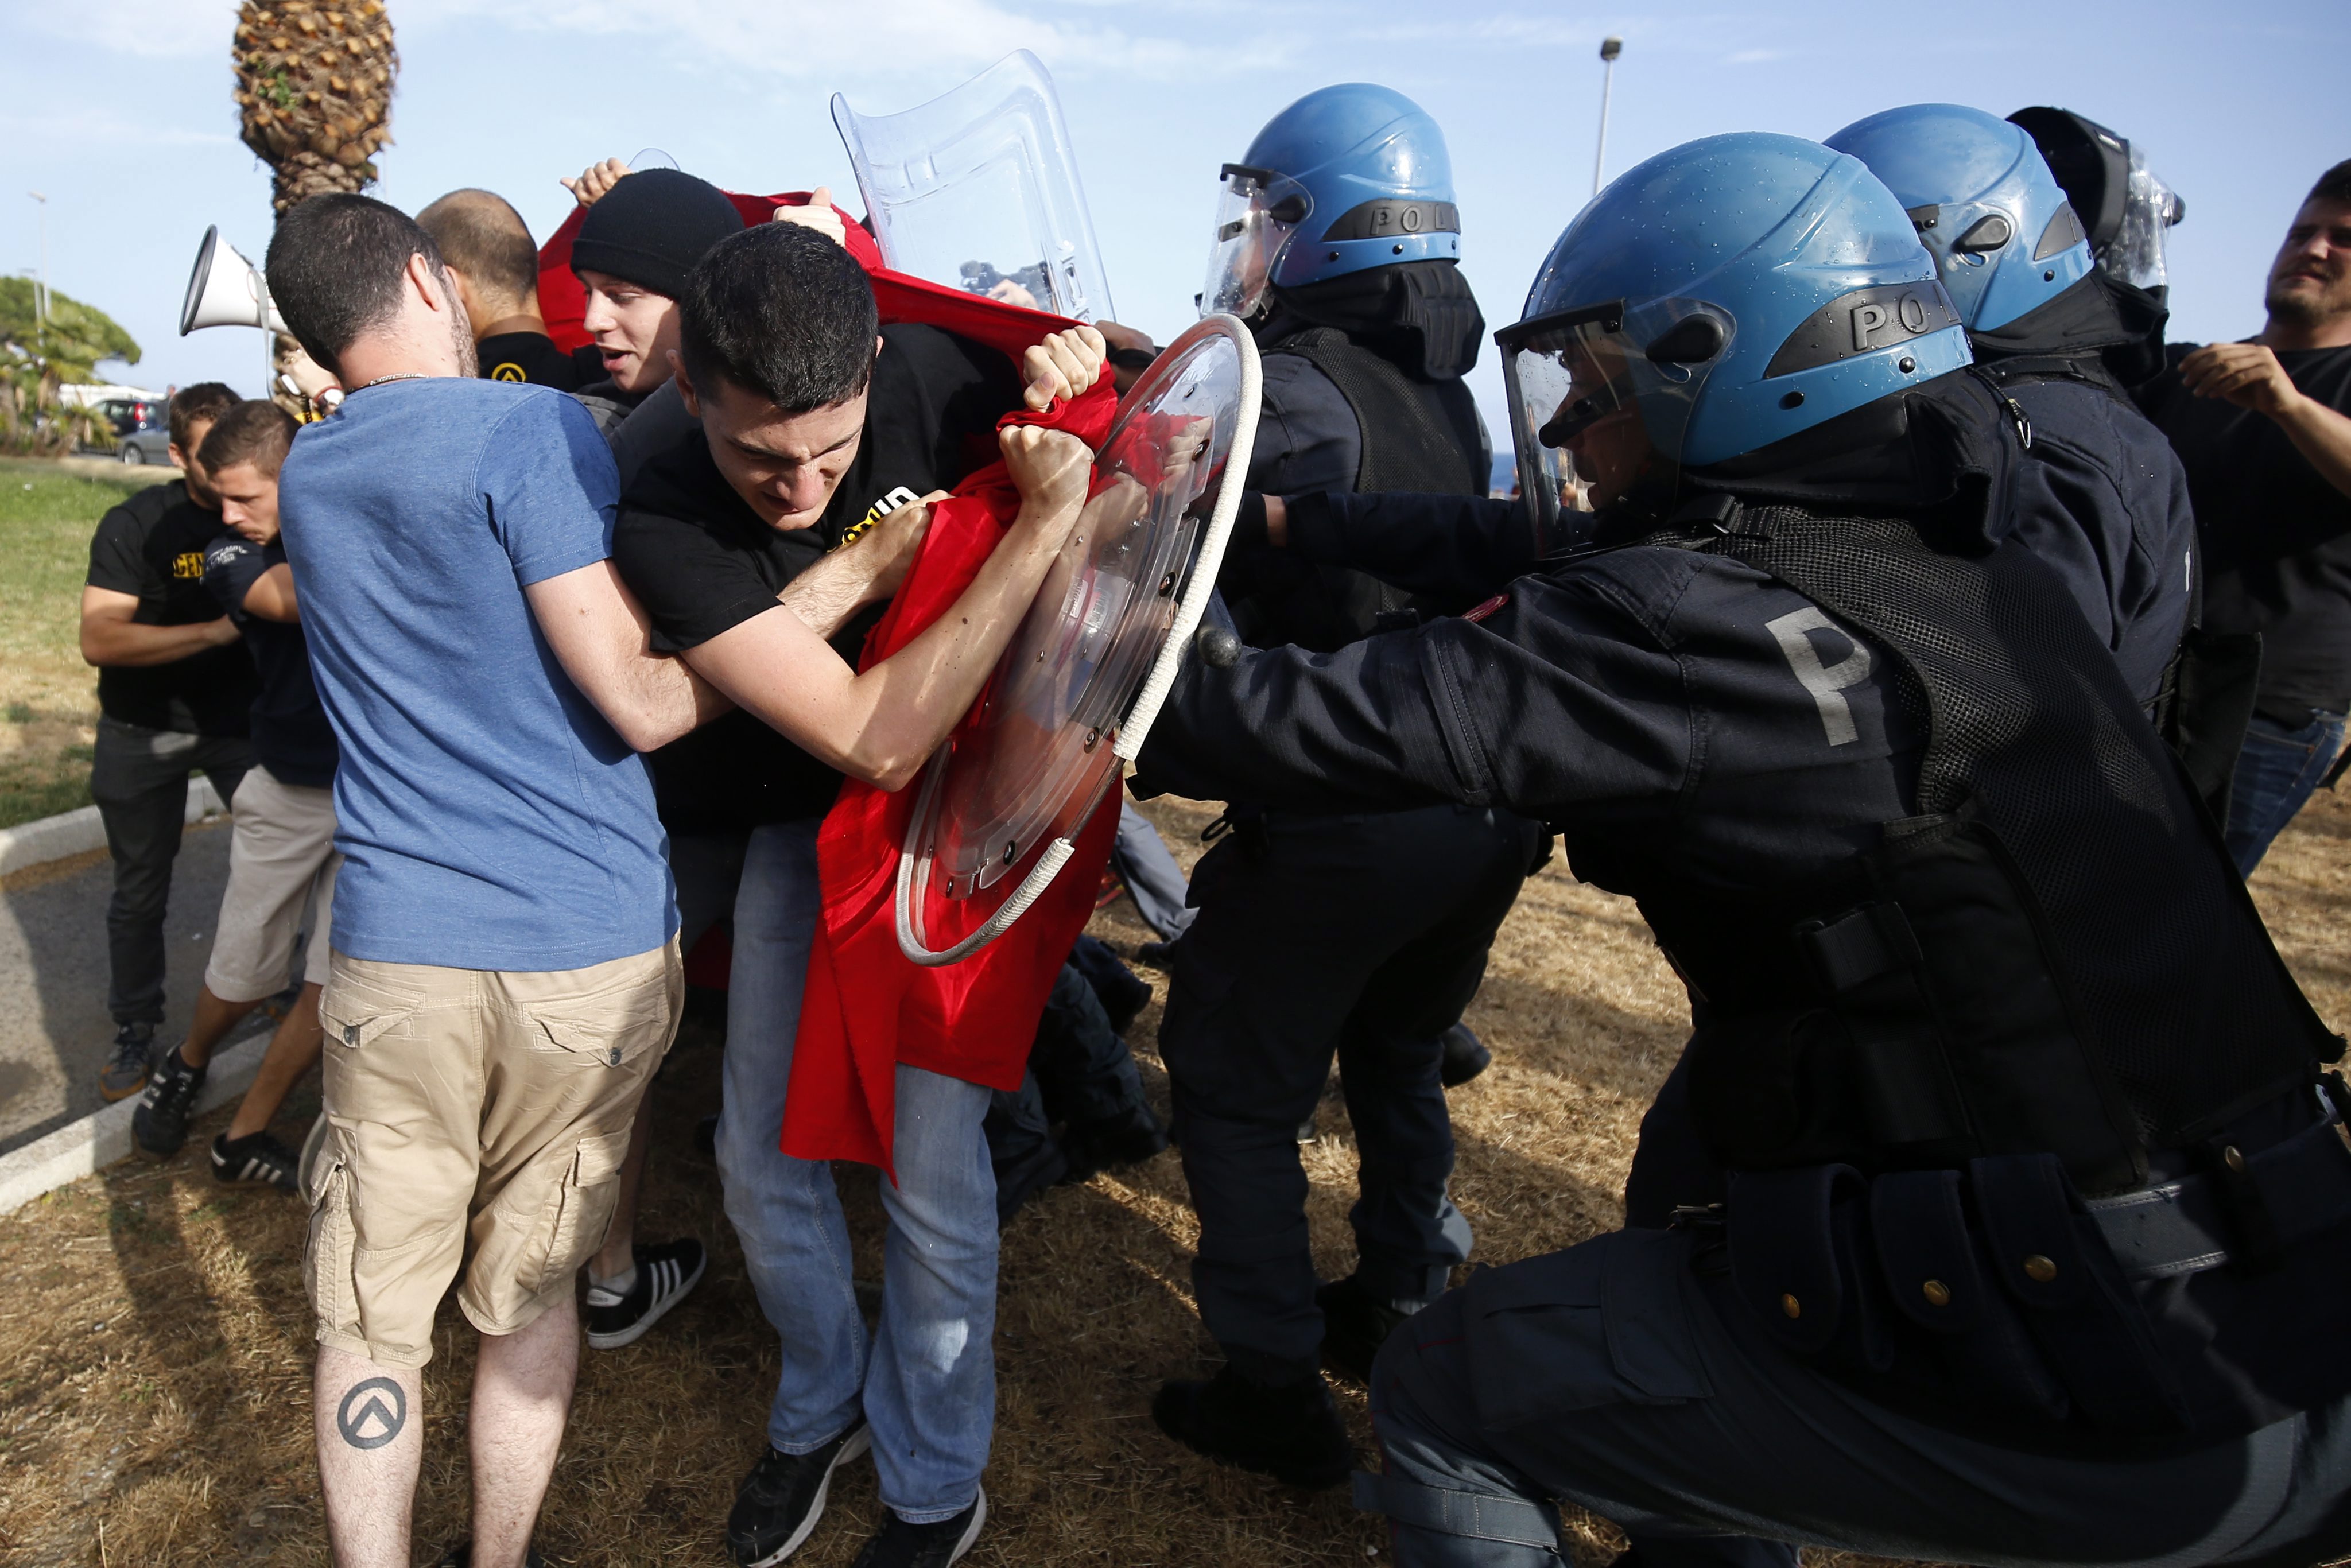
x=1363 y=935
x=2032 y=1243
x=2101 y=495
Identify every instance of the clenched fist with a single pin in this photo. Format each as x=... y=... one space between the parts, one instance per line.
x=1050 y=468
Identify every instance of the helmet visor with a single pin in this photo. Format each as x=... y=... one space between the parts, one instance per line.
x=2150 y=208
x=1600 y=396
x=1257 y=214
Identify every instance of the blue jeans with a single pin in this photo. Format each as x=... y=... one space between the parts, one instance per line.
x=927 y=1382
x=2276 y=772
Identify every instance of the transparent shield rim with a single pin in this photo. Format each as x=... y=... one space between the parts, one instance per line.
x=1198 y=584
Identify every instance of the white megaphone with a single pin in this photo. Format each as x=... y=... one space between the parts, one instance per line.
x=226 y=290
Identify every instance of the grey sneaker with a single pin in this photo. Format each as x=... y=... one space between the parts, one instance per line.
x=125 y=1072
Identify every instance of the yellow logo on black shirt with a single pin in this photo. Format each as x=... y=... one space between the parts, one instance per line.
x=899 y=496
x=507 y=370
x=188 y=563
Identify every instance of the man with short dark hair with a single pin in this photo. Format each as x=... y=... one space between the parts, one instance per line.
x=282 y=856
x=2261 y=428
x=491 y=257
x=503 y=979
x=506 y=974
x=173 y=697
x=816 y=428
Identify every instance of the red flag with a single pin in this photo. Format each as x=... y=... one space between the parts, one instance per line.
x=866 y=1009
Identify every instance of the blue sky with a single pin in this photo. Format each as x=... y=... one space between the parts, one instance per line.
x=119 y=109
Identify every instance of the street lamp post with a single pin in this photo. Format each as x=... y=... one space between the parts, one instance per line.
x=41 y=286
x=1610 y=48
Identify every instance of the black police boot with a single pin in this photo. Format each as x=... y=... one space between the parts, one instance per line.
x=1129 y=1138
x=1355 y=1324
x=1465 y=1056
x=1289 y=1431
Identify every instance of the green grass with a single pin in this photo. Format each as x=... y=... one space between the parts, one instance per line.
x=36 y=492
x=47 y=696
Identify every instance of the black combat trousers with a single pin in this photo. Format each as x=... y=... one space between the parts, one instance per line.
x=1619 y=1376
x=139 y=777
x=1359 y=936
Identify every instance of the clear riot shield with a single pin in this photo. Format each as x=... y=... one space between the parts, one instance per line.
x=978 y=189
x=1002 y=802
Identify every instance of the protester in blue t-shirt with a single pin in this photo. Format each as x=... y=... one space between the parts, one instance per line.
x=505 y=975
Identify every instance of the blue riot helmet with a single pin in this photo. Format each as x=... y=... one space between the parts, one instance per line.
x=1720 y=297
x=1984 y=201
x=1348 y=177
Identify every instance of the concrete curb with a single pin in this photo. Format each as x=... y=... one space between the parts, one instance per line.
x=77 y=832
x=103 y=1137
x=98 y=1140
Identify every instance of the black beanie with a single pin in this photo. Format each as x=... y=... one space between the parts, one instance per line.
x=652 y=227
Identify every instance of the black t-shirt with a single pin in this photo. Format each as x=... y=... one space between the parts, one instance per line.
x=529 y=357
x=151 y=547
x=291 y=737
x=2276 y=534
x=703 y=562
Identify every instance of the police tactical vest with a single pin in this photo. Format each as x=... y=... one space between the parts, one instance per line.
x=2054 y=957
x=1413 y=436
x=1417 y=436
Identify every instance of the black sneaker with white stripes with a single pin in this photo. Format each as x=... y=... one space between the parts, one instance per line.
x=257 y=1158
x=160 y=1125
x=664 y=1275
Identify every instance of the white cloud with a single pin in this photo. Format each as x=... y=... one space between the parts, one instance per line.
x=91 y=127
x=798 y=43
x=156 y=29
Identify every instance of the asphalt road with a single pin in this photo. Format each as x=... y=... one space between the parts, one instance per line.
x=55 y=1033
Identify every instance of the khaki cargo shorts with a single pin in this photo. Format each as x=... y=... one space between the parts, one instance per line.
x=469 y=1106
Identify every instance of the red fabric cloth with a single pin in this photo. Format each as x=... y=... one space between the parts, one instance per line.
x=865 y=1007
x=900 y=295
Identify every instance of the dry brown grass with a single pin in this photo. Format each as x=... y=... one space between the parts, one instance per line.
x=154 y=1346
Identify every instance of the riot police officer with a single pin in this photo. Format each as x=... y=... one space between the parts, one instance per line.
x=2017 y=1228
x=1362 y=936
x=2101 y=485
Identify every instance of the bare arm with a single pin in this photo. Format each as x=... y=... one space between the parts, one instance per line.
x=865 y=571
x=2249 y=375
x=111 y=639
x=271 y=596
x=599 y=633
x=883 y=725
